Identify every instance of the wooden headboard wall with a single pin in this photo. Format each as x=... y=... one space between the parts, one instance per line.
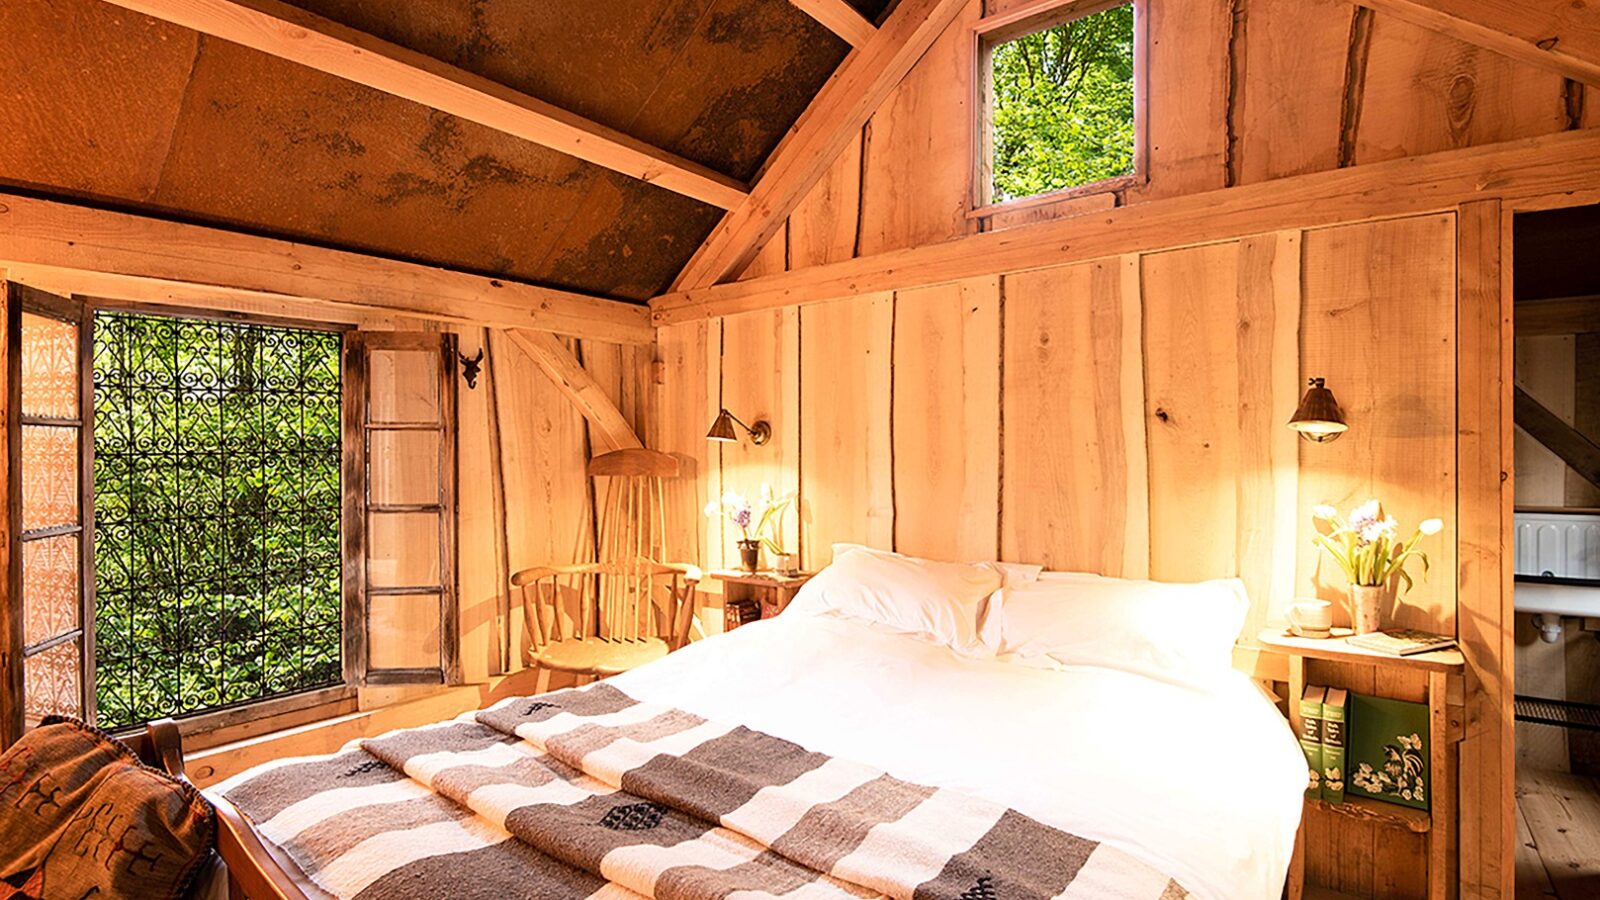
x=1122 y=416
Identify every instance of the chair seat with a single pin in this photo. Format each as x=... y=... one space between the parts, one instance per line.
x=598 y=656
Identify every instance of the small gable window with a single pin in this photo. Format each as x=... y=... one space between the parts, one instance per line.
x=1059 y=102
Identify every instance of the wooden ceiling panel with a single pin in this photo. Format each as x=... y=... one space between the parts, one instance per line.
x=324 y=159
x=67 y=65
x=715 y=81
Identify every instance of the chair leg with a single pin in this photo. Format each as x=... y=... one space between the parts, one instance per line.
x=542 y=684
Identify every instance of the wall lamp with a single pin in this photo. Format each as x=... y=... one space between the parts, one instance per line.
x=1318 y=418
x=722 y=429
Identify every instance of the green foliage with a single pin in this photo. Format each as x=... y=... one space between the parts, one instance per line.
x=1063 y=105
x=216 y=483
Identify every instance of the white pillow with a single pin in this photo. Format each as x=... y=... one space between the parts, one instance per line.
x=940 y=601
x=1177 y=632
x=1012 y=573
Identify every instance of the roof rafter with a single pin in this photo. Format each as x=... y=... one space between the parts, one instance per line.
x=578 y=386
x=840 y=18
x=298 y=36
x=856 y=90
x=1559 y=35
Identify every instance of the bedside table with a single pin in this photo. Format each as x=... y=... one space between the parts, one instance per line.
x=748 y=596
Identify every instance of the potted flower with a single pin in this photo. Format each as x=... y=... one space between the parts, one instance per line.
x=756 y=529
x=737 y=510
x=769 y=529
x=1366 y=547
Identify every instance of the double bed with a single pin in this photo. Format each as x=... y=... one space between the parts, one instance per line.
x=1200 y=781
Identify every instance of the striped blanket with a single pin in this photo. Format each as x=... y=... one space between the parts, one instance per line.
x=589 y=793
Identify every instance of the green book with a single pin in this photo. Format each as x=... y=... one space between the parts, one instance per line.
x=1311 y=737
x=1387 y=753
x=1333 y=740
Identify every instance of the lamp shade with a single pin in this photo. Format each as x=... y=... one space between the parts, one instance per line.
x=722 y=428
x=1318 y=417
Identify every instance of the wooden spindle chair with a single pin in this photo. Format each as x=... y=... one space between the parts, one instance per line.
x=626 y=609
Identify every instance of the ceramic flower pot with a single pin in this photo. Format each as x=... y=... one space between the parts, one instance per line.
x=750 y=555
x=1365 y=602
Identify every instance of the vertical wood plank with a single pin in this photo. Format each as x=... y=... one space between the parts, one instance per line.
x=679 y=427
x=1378 y=323
x=1269 y=379
x=1287 y=116
x=1545 y=367
x=1484 y=451
x=822 y=229
x=1136 y=461
x=11 y=688
x=846 y=450
x=1064 y=479
x=1187 y=98
x=947 y=420
x=760 y=380
x=1192 y=382
x=481 y=582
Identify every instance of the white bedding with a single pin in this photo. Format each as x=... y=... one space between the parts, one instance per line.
x=1202 y=782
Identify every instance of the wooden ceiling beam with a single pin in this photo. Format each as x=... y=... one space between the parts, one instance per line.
x=579 y=387
x=1560 y=35
x=1563 y=315
x=76 y=249
x=840 y=18
x=1568 y=162
x=854 y=92
x=293 y=34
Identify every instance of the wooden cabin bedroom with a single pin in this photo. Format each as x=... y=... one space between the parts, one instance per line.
x=690 y=449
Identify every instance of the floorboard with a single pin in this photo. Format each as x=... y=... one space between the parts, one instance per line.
x=1558 y=835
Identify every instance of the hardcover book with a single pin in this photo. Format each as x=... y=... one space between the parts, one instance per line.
x=1386 y=755
x=1401 y=641
x=1333 y=740
x=1311 y=737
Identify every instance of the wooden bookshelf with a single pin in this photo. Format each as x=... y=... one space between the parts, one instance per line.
x=1443 y=671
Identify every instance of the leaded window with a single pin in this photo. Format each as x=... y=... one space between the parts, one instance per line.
x=217 y=513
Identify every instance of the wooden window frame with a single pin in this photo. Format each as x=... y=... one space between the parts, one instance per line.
x=991 y=31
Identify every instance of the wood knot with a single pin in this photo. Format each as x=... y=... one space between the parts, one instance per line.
x=1162 y=415
x=1550 y=43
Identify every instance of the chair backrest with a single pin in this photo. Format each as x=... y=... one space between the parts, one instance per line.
x=628 y=594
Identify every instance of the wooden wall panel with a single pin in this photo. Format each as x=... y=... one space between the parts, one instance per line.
x=1189 y=69
x=947 y=420
x=1379 y=324
x=1290 y=83
x=1065 y=469
x=922 y=135
x=1192 y=389
x=1425 y=92
x=760 y=379
x=846 y=454
x=685 y=406
x=1545 y=369
x=823 y=228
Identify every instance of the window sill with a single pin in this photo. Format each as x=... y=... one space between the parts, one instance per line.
x=237 y=723
x=1108 y=186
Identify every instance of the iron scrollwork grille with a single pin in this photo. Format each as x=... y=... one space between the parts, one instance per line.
x=217 y=491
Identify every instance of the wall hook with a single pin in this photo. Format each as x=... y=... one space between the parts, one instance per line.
x=469 y=368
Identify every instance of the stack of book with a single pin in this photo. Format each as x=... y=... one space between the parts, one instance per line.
x=1322 y=737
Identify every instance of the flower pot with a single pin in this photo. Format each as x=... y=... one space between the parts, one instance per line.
x=750 y=555
x=1365 y=602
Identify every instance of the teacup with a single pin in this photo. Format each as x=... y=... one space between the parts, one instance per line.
x=1311 y=618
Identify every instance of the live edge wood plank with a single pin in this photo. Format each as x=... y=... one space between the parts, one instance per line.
x=1388 y=815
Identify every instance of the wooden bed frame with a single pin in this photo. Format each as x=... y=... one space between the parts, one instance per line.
x=256 y=869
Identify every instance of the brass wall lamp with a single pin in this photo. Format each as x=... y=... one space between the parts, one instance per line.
x=722 y=429
x=1318 y=418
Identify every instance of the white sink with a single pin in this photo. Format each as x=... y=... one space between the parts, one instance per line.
x=1549 y=600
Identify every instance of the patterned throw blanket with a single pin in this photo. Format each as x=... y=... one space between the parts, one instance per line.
x=589 y=793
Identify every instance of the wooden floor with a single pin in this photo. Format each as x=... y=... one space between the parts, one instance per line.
x=1558 y=835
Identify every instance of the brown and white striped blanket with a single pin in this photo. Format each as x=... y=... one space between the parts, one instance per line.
x=589 y=793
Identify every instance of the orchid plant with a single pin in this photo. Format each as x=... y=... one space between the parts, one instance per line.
x=1366 y=546
x=764 y=525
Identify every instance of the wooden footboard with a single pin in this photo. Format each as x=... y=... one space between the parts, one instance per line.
x=256 y=869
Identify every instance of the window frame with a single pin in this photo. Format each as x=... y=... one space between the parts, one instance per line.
x=991 y=31
x=223 y=720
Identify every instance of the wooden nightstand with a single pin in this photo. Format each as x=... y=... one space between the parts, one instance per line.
x=748 y=596
x=1433 y=677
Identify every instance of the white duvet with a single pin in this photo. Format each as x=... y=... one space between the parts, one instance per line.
x=1202 y=782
